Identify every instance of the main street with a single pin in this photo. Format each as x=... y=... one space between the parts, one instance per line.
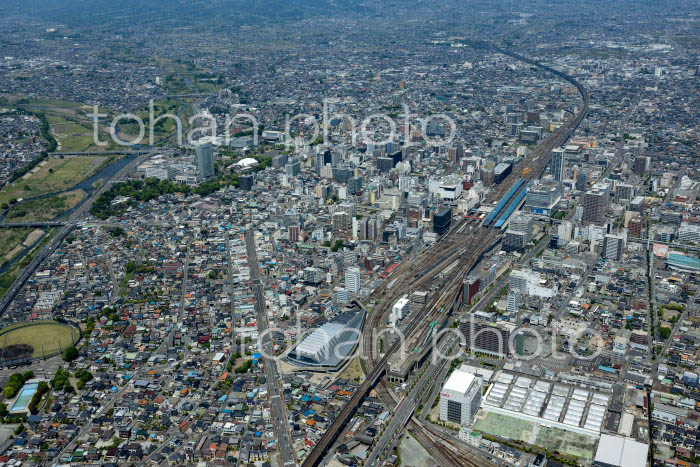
x=277 y=405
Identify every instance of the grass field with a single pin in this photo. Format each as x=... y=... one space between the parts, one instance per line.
x=52 y=175
x=47 y=337
x=44 y=209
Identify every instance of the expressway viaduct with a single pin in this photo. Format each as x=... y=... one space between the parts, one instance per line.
x=465 y=243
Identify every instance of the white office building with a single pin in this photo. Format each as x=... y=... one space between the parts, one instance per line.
x=353 y=283
x=613 y=247
x=460 y=398
x=399 y=310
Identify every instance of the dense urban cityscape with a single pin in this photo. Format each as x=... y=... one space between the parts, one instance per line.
x=326 y=233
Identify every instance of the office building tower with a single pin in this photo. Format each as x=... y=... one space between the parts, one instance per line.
x=582 y=180
x=518 y=281
x=501 y=171
x=635 y=226
x=518 y=234
x=442 y=220
x=460 y=397
x=514 y=241
x=279 y=161
x=245 y=182
x=514 y=301
x=624 y=192
x=641 y=165
x=613 y=246
x=557 y=165
x=354 y=185
x=319 y=162
x=384 y=164
x=352 y=279
x=293 y=167
x=205 y=159
x=594 y=207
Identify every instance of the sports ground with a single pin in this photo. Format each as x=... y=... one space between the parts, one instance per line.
x=46 y=337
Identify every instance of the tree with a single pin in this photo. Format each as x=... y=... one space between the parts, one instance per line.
x=70 y=354
x=665 y=333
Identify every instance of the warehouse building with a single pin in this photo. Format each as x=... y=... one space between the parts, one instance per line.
x=616 y=451
x=559 y=405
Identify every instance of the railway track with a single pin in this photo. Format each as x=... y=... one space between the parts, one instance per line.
x=445 y=252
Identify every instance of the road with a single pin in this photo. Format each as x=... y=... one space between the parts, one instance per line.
x=274 y=392
x=63 y=233
x=165 y=342
x=408 y=405
x=481 y=240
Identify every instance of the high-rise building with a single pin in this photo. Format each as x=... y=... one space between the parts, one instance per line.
x=279 y=161
x=624 y=192
x=293 y=231
x=594 y=207
x=557 y=166
x=460 y=397
x=384 y=164
x=613 y=246
x=293 y=167
x=205 y=159
x=352 y=279
x=582 y=180
x=488 y=338
x=354 y=185
x=245 y=182
x=522 y=223
x=635 y=226
x=472 y=285
x=518 y=282
x=442 y=220
x=455 y=154
x=641 y=165
x=515 y=299
x=319 y=162
x=514 y=240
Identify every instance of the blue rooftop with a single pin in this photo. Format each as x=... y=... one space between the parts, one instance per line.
x=679 y=261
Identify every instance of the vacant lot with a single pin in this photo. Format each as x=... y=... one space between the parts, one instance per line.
x=504 y=426
x=52 y=175
x=47 y=337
